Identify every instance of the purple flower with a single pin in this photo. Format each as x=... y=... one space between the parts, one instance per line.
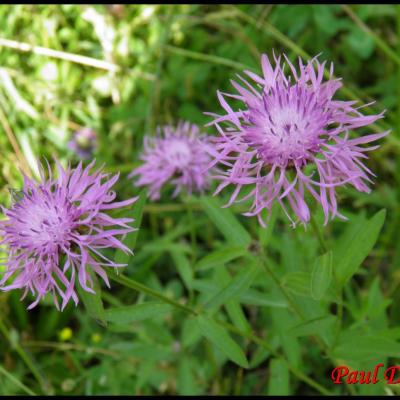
x=83 y=143
x=290 y=138
x=177 y=155
x=55 y=230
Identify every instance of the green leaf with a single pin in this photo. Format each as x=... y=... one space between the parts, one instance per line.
x=278 y=383
x=93 y=302
x=298 y=282
x=220 y=257
x=183 y=266
x=136 y=312
x=356 y=345
x=232 y=306
x=360 y=43
x=190 y=332
x=186 y=384
x=355 y=246
x=238 y=285
x=251 y=296
x=321 y=275
x=218 y=335
x=226 y=222
x=315 y=326
x=256 y=298
x=130 y=239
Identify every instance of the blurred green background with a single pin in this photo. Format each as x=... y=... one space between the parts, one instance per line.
x=121 y=70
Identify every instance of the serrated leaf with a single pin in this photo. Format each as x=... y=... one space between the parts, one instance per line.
x=136 y=312
x=130 y=240
x=321 y=275
x=220 y=257
x=355 y=247
x=225 y=221
x=219 y=336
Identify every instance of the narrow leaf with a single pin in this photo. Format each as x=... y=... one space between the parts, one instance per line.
x=218 y=335
x=354 y=248
x=226 y=222
x=220 y=257
x=278 y=383
x=238 y=285
x=298 y=282
x=321 y=275
x=183 y=266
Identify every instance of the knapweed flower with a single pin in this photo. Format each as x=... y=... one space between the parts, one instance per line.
x=83 y=143
x=55 y=230
x=290 y=137
x=177 y=155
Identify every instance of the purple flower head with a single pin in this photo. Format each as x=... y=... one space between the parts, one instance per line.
x=83 y=143
x=55 y=230
x=291 y=137
x=177 y=155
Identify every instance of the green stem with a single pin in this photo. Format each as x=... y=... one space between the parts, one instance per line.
x=130 y=283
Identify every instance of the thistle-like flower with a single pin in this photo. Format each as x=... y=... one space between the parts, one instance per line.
x=177 y=155
x=290 y=138
x=55 y=230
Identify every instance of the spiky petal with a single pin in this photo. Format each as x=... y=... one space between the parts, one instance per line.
x=177 y=155
x=291 y=137
x=56 y=230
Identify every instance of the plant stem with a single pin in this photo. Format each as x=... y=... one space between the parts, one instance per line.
x=130 y=283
